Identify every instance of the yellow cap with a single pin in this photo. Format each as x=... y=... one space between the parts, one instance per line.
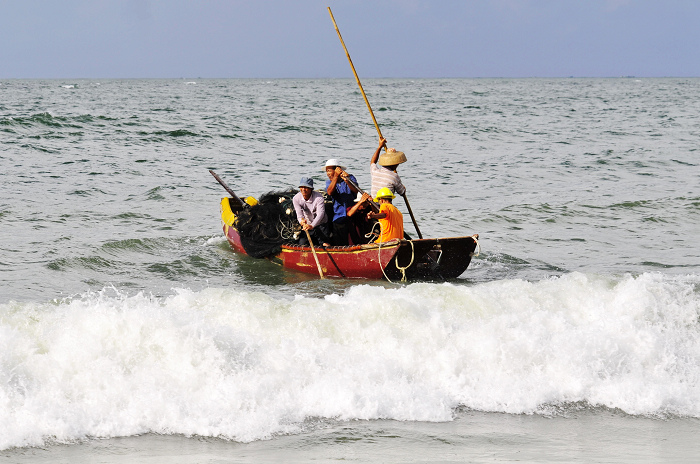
x=384 y=193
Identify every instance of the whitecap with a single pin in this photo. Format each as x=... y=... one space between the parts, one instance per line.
x=246 y=366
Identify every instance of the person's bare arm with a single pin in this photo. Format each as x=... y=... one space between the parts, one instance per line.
x=334 y=182
x=345 y=176
x=375 y=157
x=359 y=204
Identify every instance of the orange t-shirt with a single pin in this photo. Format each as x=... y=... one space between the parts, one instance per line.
x=392 y=224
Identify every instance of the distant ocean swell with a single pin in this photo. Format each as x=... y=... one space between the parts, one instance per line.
x=246 y=366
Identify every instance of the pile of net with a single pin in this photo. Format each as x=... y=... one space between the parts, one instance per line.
x=265 y=227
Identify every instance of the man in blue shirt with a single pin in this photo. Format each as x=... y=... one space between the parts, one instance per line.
x=343 y=194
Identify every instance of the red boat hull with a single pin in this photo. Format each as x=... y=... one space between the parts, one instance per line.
x=361 y=261
x=432 y=259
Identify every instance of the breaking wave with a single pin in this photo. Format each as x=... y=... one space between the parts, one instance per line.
x=247 y=366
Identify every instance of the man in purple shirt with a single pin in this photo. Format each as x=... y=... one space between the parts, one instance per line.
x=311 y=213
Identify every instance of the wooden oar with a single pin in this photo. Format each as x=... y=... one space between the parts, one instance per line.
x=405 y=198
x=359 y=84
x=228 y=189
x=372 y=204
x=311 y=243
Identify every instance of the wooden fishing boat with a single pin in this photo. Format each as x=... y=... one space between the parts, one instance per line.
x=434 y=259
x=422 y=259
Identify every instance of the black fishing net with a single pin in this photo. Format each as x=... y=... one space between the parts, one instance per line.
x=265 y=227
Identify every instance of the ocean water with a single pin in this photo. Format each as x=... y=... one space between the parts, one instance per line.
x=131 y=332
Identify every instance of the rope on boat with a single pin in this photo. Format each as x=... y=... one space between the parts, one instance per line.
x=286 y=232
x=379 y=250
x=380 y=263
x=403 y=269
x=396 y=258
x=474 y=237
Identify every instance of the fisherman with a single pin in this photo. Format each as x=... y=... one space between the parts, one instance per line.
x=311 y=213
x=384 y=173
x=343 y=193
x=390 y=218
x=360 y=225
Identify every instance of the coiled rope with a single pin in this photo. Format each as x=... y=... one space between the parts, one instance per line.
x=379 y=249
x=396 y=258
x=403 y=269
x=285 y=231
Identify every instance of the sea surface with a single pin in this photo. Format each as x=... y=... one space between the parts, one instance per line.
x=131 y=332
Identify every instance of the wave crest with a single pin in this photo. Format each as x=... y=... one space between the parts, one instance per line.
x=245 y=365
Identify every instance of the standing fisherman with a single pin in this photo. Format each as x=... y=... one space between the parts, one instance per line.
x=384 y=172
x=392 y=158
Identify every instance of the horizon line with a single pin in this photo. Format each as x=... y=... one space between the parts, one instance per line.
x=352 y=78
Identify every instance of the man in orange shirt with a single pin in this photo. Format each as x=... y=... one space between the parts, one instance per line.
x=390 y=218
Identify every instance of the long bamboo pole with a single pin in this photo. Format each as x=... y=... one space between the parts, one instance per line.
x=355 y=72
x=415 y=224
x=369 y=107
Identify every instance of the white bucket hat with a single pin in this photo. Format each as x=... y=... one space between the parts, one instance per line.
x=334 y=162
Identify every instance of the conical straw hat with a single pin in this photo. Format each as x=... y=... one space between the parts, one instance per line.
x=391 y=157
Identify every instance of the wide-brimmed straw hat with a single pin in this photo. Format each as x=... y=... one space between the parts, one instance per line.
x=391 y=157
x=334 y=162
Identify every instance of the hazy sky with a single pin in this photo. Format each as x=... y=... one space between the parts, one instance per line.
x=386 y=38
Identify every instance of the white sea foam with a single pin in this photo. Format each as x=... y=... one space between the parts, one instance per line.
x=216 y=240
x=245 y=365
